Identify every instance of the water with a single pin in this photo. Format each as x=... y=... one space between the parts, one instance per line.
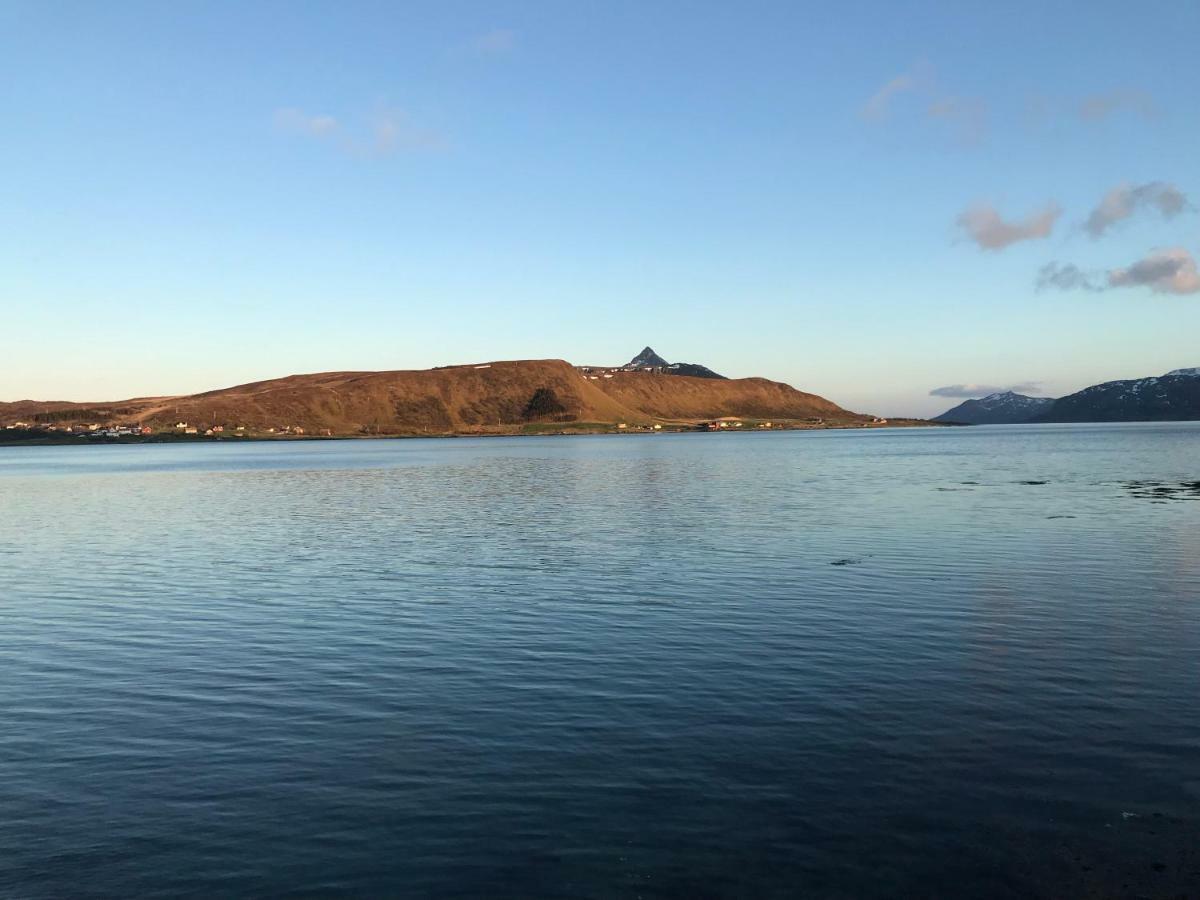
x=890 y=663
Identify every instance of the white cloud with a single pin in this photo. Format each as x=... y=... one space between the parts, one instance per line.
x=985 y=226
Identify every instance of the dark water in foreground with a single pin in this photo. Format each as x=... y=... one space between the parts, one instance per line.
x=850 y=664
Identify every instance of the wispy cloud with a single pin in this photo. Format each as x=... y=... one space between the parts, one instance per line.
x=495 y=42
x=300 y=122
x=387 y=131
x=987 y=228
x=1124 y=200
x=880 y=103
x=1096 y=107
x=967 y=391
x=966 y=116
x=1066 y=277
x=1170 y=271
x=392 y=130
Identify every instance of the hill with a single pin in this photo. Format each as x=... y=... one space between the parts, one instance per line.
x=496 y=397
x=1004 y=408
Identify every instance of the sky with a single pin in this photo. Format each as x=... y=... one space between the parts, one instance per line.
x=892 y=205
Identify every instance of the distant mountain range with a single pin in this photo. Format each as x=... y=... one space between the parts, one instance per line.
x=1174 y=396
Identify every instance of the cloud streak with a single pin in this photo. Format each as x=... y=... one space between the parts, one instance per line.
x=990 y=231
x=969 y=391
x=1125 y=200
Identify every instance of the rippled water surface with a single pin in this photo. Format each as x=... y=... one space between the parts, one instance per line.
x=890 y=663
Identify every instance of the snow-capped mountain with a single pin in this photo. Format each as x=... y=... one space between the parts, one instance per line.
x=1004 y=408
x=1171 y=397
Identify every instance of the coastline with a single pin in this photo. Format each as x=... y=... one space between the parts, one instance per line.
x=42 y=439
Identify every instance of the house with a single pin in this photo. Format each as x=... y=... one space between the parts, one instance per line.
x=181 y=425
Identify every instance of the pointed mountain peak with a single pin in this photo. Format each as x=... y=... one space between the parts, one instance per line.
x=648 y=358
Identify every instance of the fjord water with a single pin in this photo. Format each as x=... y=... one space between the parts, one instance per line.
x=926 y=662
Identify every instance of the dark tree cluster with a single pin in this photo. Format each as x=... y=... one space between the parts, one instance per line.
x=544 y=404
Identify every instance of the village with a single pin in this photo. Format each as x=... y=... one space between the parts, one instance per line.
x=97 y=430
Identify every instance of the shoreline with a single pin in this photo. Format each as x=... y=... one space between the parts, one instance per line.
x=85 y=440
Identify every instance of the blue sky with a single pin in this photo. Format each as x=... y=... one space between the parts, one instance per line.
x=855 y=198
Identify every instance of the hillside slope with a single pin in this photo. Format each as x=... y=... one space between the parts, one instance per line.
x=685 y=397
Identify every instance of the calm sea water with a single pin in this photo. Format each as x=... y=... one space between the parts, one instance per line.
x=892 y=663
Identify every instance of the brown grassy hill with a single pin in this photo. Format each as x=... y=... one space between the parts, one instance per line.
x=488 y=397
x=483 y=397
